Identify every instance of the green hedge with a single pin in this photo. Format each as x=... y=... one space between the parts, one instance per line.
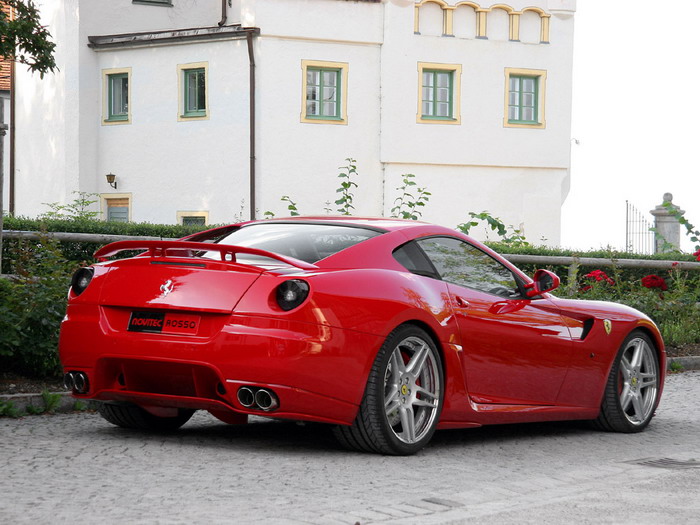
x=81 y=252
x=624 y=274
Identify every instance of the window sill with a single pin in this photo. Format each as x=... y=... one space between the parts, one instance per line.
x=193 y=116
x=437 y=120
x=521 y=124
x=324 y=120
x=112 y=120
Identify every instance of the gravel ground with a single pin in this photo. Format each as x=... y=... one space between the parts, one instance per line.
x=62 y=468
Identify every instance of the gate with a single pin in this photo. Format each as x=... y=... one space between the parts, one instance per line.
x=638 y=235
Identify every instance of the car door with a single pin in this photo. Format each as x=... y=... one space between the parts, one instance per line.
x=515 y=350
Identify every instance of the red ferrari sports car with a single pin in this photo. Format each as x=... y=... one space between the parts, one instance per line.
x=387 y=329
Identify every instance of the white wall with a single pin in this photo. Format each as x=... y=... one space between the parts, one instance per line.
x=170 y=165
x=5 y=204
x=520 y=175
x=302 y=159
x=46 y=134
x=478 y=164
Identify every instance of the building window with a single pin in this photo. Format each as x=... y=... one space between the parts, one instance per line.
x=118 y=210
x=116 y=207
x=438 y=93
x=117 y=94
x=193 y=89
x=324 y=92
x=522 y=100
x=195 y=93
x=193 y=218
x=524 y=105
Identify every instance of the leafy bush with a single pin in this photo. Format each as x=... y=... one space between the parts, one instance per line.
x=32 y=305
x=32 y=308
x=81 y=252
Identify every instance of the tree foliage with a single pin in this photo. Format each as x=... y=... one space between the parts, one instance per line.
x=23 y=38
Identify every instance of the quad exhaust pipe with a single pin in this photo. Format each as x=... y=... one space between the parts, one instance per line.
x=258 y=398
x=77 y=382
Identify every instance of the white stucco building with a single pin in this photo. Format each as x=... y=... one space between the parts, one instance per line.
x=472 y=98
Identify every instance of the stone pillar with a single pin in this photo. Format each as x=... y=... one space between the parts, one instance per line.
x=667 y=225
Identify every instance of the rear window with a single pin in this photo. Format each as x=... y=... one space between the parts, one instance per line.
x=306 y=242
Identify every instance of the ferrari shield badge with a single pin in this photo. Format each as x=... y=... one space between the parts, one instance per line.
x=607 y=323
x=167 y=287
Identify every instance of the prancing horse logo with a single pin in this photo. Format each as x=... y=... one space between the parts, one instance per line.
x=607 y=324
x=167 y=287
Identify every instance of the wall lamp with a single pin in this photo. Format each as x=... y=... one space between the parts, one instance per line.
x=112 y=180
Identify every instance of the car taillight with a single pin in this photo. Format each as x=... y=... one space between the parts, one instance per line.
x=81 y=280
x=292 y=293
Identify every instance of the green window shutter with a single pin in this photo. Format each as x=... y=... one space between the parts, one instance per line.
x=438 y=96
x=118 y=96
x=323 y=93
x=523 y=97
x=195 y=94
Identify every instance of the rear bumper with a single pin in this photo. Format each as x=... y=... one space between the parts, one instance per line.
x=317 y=372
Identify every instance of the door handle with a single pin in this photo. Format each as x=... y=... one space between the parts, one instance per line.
x=461 y=302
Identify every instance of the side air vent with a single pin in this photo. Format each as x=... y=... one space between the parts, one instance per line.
x=587 y=325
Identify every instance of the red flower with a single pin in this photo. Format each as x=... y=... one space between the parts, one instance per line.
x=697 y=254
x=600 y=275
x=654 y=281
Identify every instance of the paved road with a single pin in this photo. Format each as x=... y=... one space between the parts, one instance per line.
x=78 y=468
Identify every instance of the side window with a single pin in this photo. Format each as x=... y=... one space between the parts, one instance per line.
x=193 y=91
x=411 y=257
x=324 y=92
x=461 y=263
x=116 y=95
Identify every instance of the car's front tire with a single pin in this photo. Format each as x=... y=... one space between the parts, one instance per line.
x=632 y=391
x=403 y=397
x=127 y=415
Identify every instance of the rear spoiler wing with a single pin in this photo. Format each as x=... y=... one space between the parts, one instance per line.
x=161 y=249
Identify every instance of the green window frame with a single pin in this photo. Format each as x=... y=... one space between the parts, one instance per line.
x=118 y=97
x=437 y=101
x=194 y=92
x=323 y=93
x=523 y=99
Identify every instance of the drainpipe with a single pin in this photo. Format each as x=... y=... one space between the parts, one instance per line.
x=251 y=111
x=223 y=13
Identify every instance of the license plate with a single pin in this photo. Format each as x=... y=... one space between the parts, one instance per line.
x=164 y=323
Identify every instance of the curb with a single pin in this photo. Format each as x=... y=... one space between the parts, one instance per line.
x=686 y=363
x=67 y=403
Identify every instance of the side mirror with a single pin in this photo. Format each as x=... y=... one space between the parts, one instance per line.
x=544 y=281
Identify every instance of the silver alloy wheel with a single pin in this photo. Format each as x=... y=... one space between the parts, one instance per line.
x=639 y=381
x=412 y=386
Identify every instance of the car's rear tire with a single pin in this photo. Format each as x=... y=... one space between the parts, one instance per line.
x=127 y=415
x=403 y=397
x=632 y=391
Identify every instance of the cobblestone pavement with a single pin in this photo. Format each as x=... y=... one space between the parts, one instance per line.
x=78 y=468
